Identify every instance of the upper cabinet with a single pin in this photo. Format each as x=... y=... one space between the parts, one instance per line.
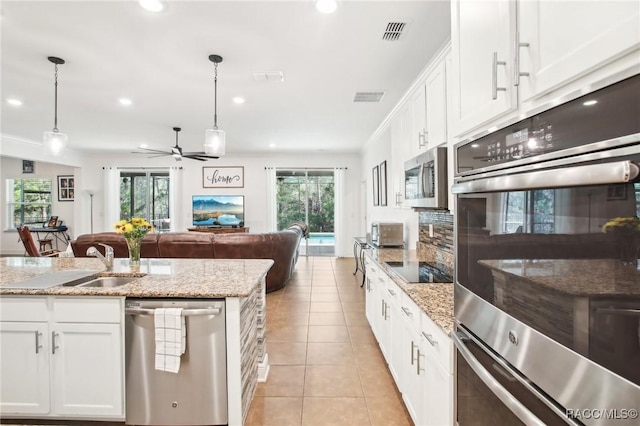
x=508 y=55
x=436 y=106
x=561 y=40
x=481 y=34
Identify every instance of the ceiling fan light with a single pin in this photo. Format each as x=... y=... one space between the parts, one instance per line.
x=214 y=143
x=326 y=6
x=55 y=142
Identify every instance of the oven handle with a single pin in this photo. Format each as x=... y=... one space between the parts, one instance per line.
x=503 y=394
x=592 y=174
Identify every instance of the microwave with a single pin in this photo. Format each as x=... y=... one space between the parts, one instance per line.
x=425 y=180
x=387 y=234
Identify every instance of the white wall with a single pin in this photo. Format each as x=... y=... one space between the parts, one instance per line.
x=375 y=152
x=91 y=179
x=11 y=168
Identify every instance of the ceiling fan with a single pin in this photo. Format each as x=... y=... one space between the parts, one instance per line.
x=176 y=151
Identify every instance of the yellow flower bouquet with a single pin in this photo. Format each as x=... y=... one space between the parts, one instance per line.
x=133 y=231
x=626 y=231
x=622 y=224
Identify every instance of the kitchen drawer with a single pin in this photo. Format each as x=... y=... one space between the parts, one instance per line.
x=437 y=342
x=411 y=312
x=17 y=308
x=392 y=292
x=81 y=309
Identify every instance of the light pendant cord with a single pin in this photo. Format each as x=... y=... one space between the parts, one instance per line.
x=55 y=97
x=215 y=96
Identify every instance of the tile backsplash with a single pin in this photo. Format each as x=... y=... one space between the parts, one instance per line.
x=440 y=246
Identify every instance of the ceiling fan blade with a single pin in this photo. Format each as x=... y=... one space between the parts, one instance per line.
x=195 y=157
x=149 y=150
x=200 y=154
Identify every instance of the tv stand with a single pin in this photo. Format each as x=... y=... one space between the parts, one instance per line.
x=219 y=229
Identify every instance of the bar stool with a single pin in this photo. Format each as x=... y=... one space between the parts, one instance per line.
x=45 y=243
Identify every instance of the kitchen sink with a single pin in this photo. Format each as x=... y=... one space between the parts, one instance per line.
x=107 y=282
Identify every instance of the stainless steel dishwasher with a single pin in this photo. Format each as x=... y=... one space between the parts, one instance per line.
x=197 y=394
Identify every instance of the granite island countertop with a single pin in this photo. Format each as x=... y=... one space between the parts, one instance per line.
x=434 y=299
x=177 y=278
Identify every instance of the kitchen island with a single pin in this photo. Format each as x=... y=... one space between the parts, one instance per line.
x=41 y=374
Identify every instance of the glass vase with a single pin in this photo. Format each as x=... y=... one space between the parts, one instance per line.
x=134 y=245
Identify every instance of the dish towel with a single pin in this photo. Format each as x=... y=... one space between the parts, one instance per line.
x=171 y=338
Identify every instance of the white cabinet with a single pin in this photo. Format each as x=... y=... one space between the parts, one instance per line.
x=87 y=370
x=561 y=40
x=436 y=107
x=508 y=55
x=481 y=37
x=69 y=364
x=419 y=354
x=418 y=141
x=24 y=358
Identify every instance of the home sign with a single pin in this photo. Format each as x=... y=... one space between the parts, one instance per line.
x=223 y=177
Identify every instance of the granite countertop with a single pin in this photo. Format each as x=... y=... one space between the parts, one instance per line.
x=607 y=277
x=436 y=300
x=201 y=278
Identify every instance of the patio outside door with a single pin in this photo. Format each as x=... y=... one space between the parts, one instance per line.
x=308 y=196
x=146 y=195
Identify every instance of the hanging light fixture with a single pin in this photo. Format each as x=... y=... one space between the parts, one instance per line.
x=214 y=143
x=55 y=142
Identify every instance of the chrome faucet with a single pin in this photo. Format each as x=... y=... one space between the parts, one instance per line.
x=107 y=259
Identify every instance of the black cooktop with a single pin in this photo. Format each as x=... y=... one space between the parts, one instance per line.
x=420 y=272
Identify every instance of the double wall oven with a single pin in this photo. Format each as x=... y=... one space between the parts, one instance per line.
x=547 y=292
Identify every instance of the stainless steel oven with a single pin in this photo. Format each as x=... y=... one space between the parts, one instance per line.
x=547 y=281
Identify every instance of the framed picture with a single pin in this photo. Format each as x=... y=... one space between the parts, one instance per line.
x=28 y=166
x=223 y=177
x=617 y=192
x=376 y=183
x=383 y=183
x=66 y=188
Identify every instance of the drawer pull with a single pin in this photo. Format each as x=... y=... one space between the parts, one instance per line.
x=38 y=345
x=430 y=339
x=407 y=312
x=53 y=342
x=391 y=292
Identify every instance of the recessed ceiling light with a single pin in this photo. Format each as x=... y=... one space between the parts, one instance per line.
x=14 y=102
x=151 y=5
x=589 y=103
x=326 y=6
x=125 y=101
x=143 y=145
x=272 y=145
x=238 y=100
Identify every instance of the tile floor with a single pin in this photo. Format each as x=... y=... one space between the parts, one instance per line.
x=326 y=367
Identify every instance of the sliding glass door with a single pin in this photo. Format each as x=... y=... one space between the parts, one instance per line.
x=308 y=196
x=145 y=194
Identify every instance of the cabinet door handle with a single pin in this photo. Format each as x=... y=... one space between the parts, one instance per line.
x=494 y=86
x=413 y=346
x=53 y=342
x=38 y=345
x=418 y=368
x=407 y=312
x=430 y=339
x=422 y=138
x=517 y=73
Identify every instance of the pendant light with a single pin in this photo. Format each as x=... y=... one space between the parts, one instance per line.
x=55 y=142
x=214 y=139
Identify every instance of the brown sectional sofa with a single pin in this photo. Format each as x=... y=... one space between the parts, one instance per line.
x=281 y=246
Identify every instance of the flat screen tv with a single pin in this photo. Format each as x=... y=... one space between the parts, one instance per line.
x=218 y=210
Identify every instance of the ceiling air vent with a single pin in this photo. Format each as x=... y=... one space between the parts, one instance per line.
x=393 y=31
x=368 y=96
x=268 y=76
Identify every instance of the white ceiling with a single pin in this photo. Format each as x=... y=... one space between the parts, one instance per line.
x=117 y=49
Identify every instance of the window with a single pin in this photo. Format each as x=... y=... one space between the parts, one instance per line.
x=28 y=201
x=530 y=211
x=146 y=195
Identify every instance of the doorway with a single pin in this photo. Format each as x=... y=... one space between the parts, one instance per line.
x=146 y=195
x=308 y=196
